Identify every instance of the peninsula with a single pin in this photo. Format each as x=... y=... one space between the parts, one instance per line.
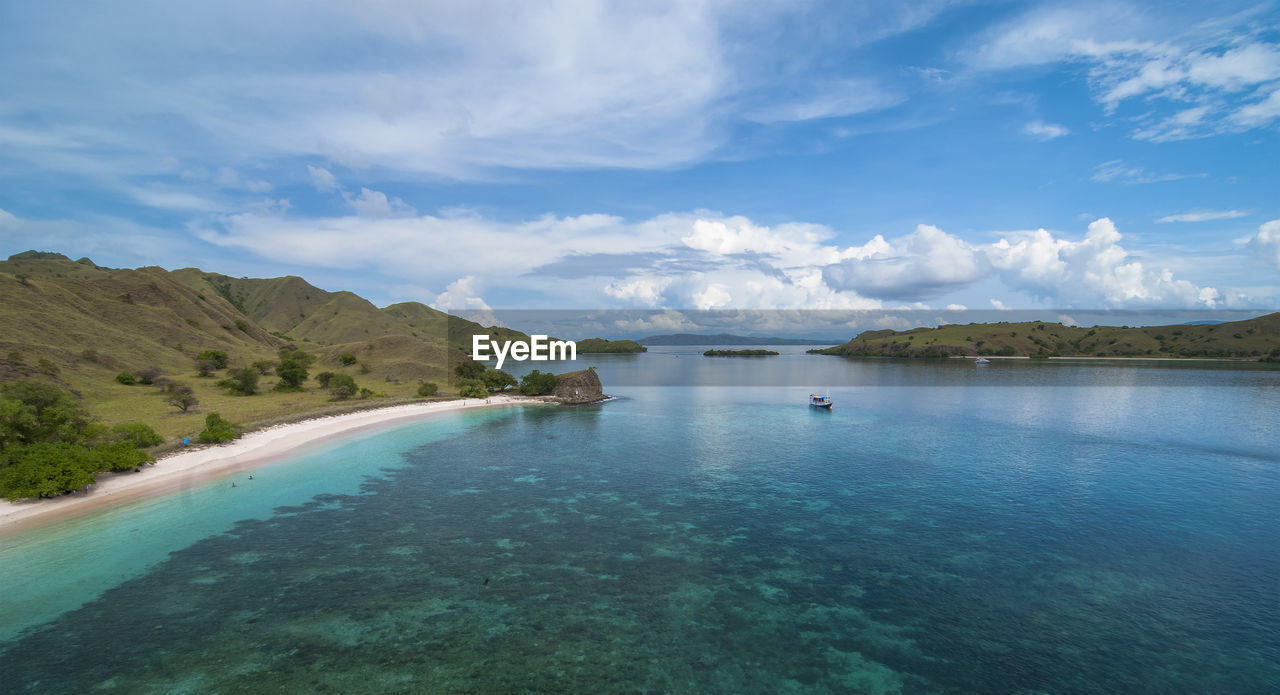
x=1256 y=339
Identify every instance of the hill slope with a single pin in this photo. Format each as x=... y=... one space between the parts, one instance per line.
x=1257 y=338
x=79 y=325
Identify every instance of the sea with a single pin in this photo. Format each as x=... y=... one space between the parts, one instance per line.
x=1026 y=526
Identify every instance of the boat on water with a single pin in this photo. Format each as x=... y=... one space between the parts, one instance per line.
x=982 y=360
x=817 y=401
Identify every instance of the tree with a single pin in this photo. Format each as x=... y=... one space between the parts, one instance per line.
x=182 y=397
x=140 y=434
x=46 y=469
x=264 y=366
x=292 y=369
x=218 y=357
x=497 y=380
x=33 y=411
x=469 y=369
x=342 y=386
x=217 y=430
x=323 y=379
x=205 y=367
x=126 y=378
x=242 y=382
x=427 y=389
x=472 y=388
x=537 y=383
x=347 y=359
x=117 y=456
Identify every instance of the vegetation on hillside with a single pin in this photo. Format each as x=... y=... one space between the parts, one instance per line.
x=1254 y=339
x=50 y=446
x=601 y=346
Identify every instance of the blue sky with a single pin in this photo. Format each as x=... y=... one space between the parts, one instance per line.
x=687 y=155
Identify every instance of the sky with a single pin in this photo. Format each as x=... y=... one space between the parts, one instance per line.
x=935 y=155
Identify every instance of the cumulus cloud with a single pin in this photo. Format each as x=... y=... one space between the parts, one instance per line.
x=1093 y=271
x=708 y=261
x=924 y=264
x=376 y=204
x=322 y=179
x=1266 y=243
x=461 y=294
x=1203 y=216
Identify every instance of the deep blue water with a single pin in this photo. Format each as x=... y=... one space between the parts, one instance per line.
x=1017 y=528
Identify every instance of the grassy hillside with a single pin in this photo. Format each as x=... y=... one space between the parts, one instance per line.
x=78 y=325
x=589 y=346
x=1253 y=339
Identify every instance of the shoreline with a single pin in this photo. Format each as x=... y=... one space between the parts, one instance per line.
x=195 y=466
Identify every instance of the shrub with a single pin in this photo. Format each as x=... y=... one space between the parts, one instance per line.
x=472 y=388
x=126 y=378
x=217 y=430
x=181 y=396
x=218 y=357
x=139 y=434
x=264 y=366
x=427 y=389
x=347 y=359
x=242 y=382
x=323 y=379
x=292 y=369
x=148 y=375
x=342 y=386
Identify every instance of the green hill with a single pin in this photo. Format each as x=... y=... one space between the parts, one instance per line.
x=78 y=325
x=1253 y=339
x=590 y=346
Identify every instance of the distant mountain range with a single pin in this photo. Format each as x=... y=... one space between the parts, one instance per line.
x=725 y=339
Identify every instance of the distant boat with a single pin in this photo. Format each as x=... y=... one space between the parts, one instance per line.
x=817 y=401
x=982 y=360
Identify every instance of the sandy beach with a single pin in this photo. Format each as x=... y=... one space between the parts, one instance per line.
x=201 y=464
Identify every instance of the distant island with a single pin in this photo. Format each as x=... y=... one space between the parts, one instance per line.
x=596 y=346
x=1256 y=339
x=739 y=353
x=724 y=339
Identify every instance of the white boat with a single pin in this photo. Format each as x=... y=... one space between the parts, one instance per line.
x=817 y=401
x=982 y=360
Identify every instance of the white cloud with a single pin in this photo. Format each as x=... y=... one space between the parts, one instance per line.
x=830 y=99
x=1119 y=172
x=1259 y=113
x=1045 y=131
x=926 y=263
x=7 y=219
x=1095 y=271
x=376 y=204
x=229 y=178
x=168 y=199
x=1203 y=216
x=462 y=293
x=999 y=305
x=1205 y=75
x=707 y=261
x=322 y=179
x=1266 y=243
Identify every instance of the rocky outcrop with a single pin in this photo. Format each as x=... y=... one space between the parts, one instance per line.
x=578 y=387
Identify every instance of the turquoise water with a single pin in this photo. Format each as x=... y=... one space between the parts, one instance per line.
x=1052 y=528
